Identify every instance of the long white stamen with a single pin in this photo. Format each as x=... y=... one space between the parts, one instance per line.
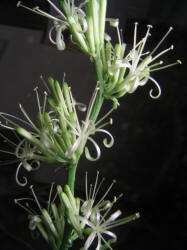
x=108 y=190
x=57 y=9
x=167 y=66
x=9 y=121
x=47 y=15
x=94 y=190
x=110 y=122
x=28 y=118
x=135 y=38
x=25 y=208
x=19 y=4
x=45 y=84
x=105 y=116
x=8 y=140
x=142 y=47
x=38 y=101
x=161 y=41
x=35 y=197
x=86 y=185
x=161 y=53
x=45 y=101
x=156 y=64
x=6 y=152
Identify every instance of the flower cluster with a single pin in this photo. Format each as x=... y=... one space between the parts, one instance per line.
x=57 y=136
x=85 y=22
x=121 y=73
x=124 y=73
x=87 y=218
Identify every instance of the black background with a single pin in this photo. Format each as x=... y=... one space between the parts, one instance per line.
x=149 y=157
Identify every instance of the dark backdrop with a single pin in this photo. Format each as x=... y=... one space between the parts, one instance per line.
x=149 y=157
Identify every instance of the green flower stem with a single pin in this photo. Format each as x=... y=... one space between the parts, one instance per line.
x=100 y=82
x=67 y=235
x=71 y=176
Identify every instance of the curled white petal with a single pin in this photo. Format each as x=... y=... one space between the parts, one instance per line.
x=114 y=216
x=111 y=143
x=60 y=39
x=17 y=177
x=50 y=35
x=158 y=86
x=109 y=233
x=98 y=151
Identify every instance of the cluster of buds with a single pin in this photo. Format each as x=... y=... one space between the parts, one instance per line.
x=87 y=218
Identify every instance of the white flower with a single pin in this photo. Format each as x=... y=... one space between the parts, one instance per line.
x=88 y=128
x=96 y=218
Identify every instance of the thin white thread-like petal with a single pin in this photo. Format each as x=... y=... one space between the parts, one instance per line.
x=89 y=240
x=99 y=243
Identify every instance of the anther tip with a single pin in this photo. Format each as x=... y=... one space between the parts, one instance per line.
x=136 y=23
x=137 y=215
x=150 y=26
x=15 y=201
x=114 y=181
x=179 y=61
x=171 y=28
x=111 y=121
x=31 y=187
x=18 y=3
x=172 y=47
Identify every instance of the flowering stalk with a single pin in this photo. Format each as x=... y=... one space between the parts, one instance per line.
x=58 y=136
